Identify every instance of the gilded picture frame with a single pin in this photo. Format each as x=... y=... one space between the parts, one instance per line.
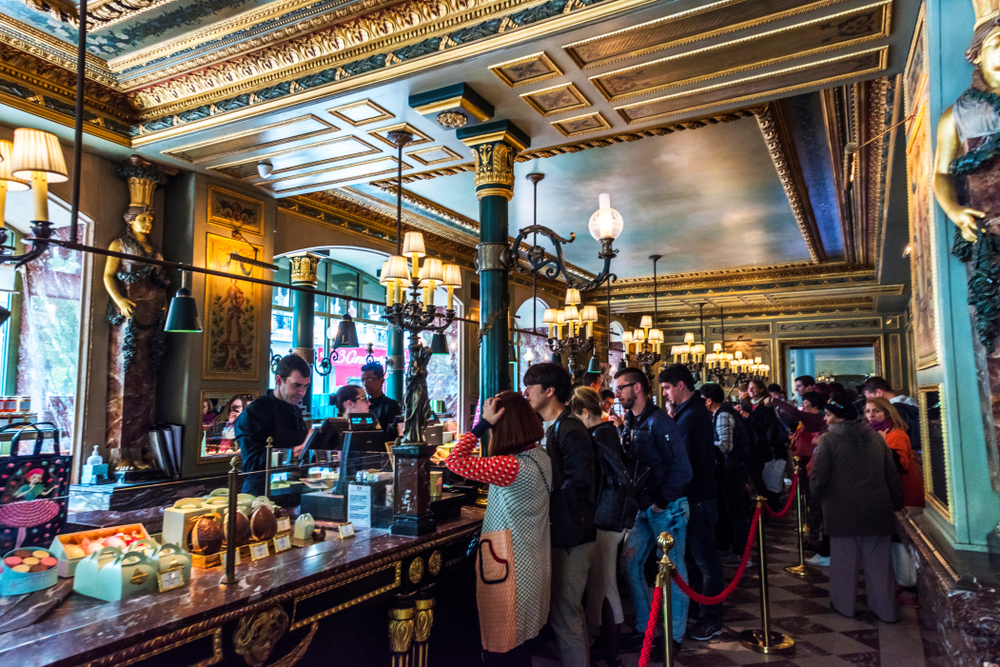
x=934 y=439
x=232 y=313
x=231 y=209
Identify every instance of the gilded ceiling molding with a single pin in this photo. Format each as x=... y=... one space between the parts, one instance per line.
x=52 y=51
x=468 y=237
x=467 y=224
x=247 y=31
x=780 y=145
x=576 y=147
x=100 y=15
x=799 y=309
x=747 y=276
x=882 y=105
x=394 y=28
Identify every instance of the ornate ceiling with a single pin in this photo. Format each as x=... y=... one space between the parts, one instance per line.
x=718 y=127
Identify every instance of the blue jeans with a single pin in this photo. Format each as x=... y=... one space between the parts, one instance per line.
x=639 y=542
x=701 y=541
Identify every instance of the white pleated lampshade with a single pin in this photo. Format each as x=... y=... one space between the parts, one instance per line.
x=452 y=276
x=549 y=316
x=35 y=150
x=413 y=243
x=572 y=297
x=589 y=314
x=6 y=173
x=432 y=270
x=396 y=268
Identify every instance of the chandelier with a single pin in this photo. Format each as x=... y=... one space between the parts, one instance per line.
x=732 y=367
x=579 y=323
x=692 y=354
x=647 y=339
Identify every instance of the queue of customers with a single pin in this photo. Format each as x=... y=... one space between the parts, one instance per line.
x=578 y=494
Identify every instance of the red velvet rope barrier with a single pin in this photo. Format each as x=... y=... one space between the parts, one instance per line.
x=654 y=619
x=718 y=599
x=791 y=499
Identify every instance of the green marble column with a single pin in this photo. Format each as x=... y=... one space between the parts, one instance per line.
x=303 y=270
x=494 y=147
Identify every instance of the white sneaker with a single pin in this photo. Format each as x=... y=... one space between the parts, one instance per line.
x=821 y=561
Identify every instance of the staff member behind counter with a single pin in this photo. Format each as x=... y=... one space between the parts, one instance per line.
x=384 y=408
x=275 y=415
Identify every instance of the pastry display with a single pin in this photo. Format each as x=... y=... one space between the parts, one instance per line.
x=263 y=523
x=206 y=536
x=71 y=548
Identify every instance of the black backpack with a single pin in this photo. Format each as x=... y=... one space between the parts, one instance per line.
x=743 y=439
x=617 y=502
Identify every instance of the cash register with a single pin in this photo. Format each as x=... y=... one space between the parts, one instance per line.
x=363 y=459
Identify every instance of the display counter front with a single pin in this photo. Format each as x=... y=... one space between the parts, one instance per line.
x=322 y=604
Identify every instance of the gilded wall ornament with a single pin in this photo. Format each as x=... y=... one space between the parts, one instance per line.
x=258 y=634
x=435 y=562
x=304 y=268
x=416 y=570
x=452 y=119
x=494 y=165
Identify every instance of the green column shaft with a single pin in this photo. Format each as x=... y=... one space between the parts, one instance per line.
x=494 y=373
x=397 y=371
x=303 y=317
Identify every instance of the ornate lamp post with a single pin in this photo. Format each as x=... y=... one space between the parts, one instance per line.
x=410 y=307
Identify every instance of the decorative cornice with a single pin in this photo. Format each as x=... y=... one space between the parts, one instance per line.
x=468 y=237
x=100 y=15
x=467 y=224
x=744 y=277
x=881 y=105
x=796 y=309
x=577 y=146
x=52 y=51
x=782 y=149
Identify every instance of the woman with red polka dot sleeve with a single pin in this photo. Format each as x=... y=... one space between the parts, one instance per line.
x=513 y=568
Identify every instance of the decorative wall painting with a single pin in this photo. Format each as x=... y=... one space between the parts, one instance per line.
x=919 y=174
x=232 y=313
x=230 y=209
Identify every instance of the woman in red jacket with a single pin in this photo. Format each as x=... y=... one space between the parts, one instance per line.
x=885 y=420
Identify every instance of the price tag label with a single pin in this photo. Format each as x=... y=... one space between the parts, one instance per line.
x=346 y=530
x=284 y=524
x=258 y=551
x=223 y=555
x=170 y=580
x=282 y=543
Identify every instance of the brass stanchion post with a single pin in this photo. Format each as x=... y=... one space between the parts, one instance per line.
x=229 y=577
x=267 y=467
x=801 y=570
x=763 y=640
x=666 y=542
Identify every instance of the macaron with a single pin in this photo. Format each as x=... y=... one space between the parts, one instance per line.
x=22 y=553
x=39 y=553
x=38 y=568
x=21 y=568
x=30 y=560
x=11 y=561
x=50 y=561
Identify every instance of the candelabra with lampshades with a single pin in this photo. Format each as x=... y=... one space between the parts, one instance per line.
x=732 y=367
x=579 y=338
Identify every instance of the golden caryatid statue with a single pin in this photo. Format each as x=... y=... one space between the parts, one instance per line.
x=967 y=171
x=137 y=314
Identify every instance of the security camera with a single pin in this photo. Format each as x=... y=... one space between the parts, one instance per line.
x=265 y=168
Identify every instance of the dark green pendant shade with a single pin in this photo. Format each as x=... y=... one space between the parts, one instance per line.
x=622 y=365
x=595 y=365
x=182 y=316
x=439 y=344
x=347 y=333
x=511 y=354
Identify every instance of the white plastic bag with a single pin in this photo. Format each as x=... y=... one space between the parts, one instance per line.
x=903 y=565
x=774 y=475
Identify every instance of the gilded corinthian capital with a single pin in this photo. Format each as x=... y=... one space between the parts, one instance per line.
x=494 y=147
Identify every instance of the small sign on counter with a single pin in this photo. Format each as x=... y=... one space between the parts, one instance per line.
x=222 y=556
x=284 y=524
x=346 y=530
x=258 y=551
x=359 y=505
x=170 y=579
x=282 y=543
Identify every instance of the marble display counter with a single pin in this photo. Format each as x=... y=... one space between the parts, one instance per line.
x=959 y=595
x=324 y=604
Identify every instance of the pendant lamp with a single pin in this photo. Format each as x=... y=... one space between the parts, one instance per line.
x=439 y=344
x=595 y=365
x=347 y=333
x=182 y=316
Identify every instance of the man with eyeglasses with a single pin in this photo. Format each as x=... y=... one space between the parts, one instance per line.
x=384 y=408
x=653 y=442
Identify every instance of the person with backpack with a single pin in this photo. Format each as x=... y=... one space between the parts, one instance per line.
x=653 y=442
x=616 y=508
x=571 y=506
x=733 y=448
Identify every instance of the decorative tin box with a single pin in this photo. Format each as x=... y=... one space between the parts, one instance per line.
x=28 y=570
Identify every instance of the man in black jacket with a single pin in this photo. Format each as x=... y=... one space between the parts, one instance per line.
x=695 y=422
x=571 y=506
x=653 y=442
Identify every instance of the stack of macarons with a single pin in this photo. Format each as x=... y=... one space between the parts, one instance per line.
x=30 y=560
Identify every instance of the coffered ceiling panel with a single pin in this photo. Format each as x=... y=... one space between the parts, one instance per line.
x=286 y=133
x=301 y=158
x=326 y=178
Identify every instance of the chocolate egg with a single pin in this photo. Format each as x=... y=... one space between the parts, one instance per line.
x=94 y=546
x=206 y=535
x=242 y=529
x=114 y=542
x=263 y=524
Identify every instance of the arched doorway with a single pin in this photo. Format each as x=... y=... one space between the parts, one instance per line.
x=530 y=349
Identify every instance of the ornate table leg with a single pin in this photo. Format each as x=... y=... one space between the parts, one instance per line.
x=401 y=627
x=422 y=627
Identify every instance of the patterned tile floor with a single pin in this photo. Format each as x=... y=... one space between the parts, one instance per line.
x=801 y=609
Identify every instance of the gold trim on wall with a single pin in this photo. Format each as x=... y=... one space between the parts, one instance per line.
x=540 y=57
x=932 y=500
x=298 y=623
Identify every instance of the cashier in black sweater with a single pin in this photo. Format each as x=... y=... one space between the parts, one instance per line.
x=384 y=408
x=275 y=415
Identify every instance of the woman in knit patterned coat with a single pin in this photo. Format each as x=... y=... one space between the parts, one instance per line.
x=513 y=569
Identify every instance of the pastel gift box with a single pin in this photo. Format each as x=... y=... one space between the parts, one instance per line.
x=18 y=583
x=68 y=563
x=302 y=534
x=110 y=577
x=171 y=557
x=244 y=501
x=177 y=520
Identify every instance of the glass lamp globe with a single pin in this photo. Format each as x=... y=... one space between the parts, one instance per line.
x=606 y=222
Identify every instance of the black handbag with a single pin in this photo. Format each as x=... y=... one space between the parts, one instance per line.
x=34 y=495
